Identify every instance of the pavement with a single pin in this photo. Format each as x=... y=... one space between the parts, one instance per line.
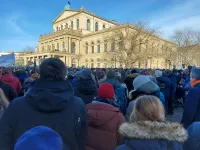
x=177 y=116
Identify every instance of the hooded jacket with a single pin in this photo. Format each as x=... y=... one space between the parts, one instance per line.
x=51 y=104
x=194 y=137
x=12 y=81
x=103 y=121
x=147 y=135
x=129 y=81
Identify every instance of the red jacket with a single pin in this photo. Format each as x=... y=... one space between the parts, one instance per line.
x=12 y=81
x=103 y=121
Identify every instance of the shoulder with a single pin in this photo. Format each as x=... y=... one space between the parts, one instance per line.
x=78 y=102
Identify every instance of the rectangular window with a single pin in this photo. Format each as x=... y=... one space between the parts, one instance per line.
x=92 y=49
x=105 y=46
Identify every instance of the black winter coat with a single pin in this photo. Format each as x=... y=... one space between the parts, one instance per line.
x=51 y=104
x=8 y=91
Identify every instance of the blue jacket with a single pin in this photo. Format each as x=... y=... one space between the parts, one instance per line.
x=193 y=142
x=147 y=135
x=167 y=82
x=51 y=104
x=192 y=107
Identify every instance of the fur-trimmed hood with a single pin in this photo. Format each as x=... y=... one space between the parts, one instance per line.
x=148 y=130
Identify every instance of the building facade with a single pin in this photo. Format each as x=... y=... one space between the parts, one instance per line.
x=78 y=39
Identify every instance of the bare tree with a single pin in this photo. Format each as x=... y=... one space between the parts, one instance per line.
x=131 y=43
x=29 y=49
x=188 y=41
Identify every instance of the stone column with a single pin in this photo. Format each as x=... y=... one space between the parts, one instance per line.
x=78 y=47
x=69 y=61
x=25 y=61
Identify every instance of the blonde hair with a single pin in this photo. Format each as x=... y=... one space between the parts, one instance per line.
x=148 y=108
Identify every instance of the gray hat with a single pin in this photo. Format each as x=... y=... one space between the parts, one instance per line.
x=158 y=73
x=143 y=83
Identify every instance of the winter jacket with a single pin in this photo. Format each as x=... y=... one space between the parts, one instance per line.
x=22 y=78
x=192 y=107
x=8 y=91
x=51 y=104
x=147 y=135
x=12 y=81
x=129 y=81
x=167 y=82
x=103 y=121
x=194 y=136
x=86 y=90
x=147 y=89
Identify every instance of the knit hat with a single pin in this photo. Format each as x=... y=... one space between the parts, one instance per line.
x=110 y=74
x=40 y=137
x=144 y=83
x=158 y=73
x=106 y=91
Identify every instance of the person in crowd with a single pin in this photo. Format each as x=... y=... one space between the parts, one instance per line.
x=165 y=82
x=192 y=105
x=7 y=89
x=143 y=86
x=148 y=130
x=104 y=119
x=28 y=81
x=129 y=79
x=22 y=77
x=70 y=76
x=86 y=87
x=39 y=138
x=8 y=78
x=101 y=77
x=50 y=102
x=120 y=91
x=194 y=136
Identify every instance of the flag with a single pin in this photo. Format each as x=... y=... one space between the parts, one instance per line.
x=69 y=3
x=7 y=60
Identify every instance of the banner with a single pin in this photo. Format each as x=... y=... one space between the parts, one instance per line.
x=7 y=60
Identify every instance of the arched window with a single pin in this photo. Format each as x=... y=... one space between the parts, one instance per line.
x=92 y=63
x=86 y=48
x=66 y=25
x=98 y=47
x=63 y=45
x=72 y=24
x=105 y=46
x=73 y=48
x=92 y=47
x=88 y=24
x=96 y=26
x=73 y=62
x=77 y=24
x=53 y=47
x=113 y=46
x=104 y=26
x=61 y=27
x=57 y=46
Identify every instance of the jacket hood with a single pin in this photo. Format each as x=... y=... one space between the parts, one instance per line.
x=115 y=83
x=7 y=78
x=100 y=114
x=148 y=88
x=147 y=130
x=50 y=96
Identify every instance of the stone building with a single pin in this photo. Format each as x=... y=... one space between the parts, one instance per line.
x=78 y=39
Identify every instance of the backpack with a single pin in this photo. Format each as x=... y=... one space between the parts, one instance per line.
x=122 y=99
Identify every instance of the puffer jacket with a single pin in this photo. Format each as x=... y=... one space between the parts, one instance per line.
x=103 y=121
x=147 y=135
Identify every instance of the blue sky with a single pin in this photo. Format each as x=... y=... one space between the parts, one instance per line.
x=22 y=21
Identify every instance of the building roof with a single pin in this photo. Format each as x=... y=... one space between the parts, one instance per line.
x=83 y=11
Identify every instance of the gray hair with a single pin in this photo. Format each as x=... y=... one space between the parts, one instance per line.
x=195 y=73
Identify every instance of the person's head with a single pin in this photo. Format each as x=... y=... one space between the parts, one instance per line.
x=110 y=74
x=34 y=74
x=106 y=90
x=100 y=75
x=134 y=71
x=148 y=108
x=195 y=74
x=39 y=137
x=52 y=69
x=85 y=74
x=158 y=73
x=8 y=70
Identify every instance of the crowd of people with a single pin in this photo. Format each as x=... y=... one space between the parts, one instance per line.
x=55 y=108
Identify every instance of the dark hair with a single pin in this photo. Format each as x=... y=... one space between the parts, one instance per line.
x=52 y=69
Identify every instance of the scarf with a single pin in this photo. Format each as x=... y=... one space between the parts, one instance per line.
x=107 y=101
x=194 y=82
